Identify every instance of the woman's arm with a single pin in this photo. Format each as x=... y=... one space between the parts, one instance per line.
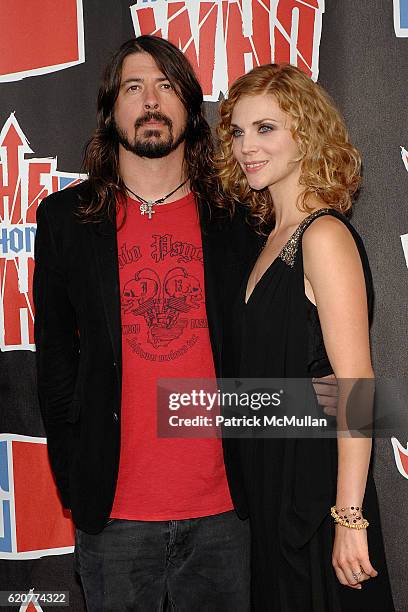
x=335 y=282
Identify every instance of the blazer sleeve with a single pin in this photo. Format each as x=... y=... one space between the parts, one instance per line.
x=57 y=349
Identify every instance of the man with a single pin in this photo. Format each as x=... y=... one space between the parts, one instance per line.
x=127 y=272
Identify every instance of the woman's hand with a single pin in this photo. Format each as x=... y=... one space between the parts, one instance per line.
x=350 y=556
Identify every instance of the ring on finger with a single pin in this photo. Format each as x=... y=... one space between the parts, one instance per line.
x=357 y=575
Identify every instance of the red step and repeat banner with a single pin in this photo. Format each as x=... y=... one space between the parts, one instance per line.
x=52 y=54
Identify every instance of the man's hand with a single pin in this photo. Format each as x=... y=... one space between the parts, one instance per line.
x=327 y=392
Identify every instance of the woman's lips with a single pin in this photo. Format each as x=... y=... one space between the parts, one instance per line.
x=251 y=167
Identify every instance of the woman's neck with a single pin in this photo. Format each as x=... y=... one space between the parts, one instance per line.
x=286 y=199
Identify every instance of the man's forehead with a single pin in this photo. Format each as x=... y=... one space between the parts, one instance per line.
x=140 y=65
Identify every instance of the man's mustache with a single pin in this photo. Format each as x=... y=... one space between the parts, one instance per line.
x=156 y=116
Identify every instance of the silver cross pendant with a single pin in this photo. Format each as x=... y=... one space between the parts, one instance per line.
x=147 y=208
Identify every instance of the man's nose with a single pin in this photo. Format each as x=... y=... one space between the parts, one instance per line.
x=151 y=100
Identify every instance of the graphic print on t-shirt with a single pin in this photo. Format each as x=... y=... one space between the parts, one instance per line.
x=161 y=302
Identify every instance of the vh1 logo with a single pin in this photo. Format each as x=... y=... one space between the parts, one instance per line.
x=23 y=184
x=24 y=26
x=223 y=39
x=401 y=18
x=33 y=523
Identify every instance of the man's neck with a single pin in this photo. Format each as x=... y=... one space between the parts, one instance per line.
x=152 y=179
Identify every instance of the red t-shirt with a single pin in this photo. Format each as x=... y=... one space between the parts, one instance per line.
x=164 y=335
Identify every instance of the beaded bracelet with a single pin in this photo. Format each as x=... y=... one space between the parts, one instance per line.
x=345 y=522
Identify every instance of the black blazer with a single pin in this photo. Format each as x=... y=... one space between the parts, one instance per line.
x=78 y=341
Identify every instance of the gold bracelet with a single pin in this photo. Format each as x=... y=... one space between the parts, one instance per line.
x=345 y=522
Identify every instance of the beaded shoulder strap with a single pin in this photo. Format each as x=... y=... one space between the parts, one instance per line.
x=288 y=252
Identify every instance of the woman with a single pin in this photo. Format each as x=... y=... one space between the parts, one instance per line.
x=303 y=311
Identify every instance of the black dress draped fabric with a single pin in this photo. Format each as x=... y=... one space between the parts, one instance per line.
x=288 y=485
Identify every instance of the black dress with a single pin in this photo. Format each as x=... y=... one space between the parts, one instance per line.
x=287 y=486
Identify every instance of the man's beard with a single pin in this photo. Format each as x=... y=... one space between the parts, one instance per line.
x=152 y=144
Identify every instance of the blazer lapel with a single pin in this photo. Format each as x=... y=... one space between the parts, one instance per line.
x=105 y=247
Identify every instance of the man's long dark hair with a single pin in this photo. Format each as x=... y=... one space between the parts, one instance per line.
x=101 y=159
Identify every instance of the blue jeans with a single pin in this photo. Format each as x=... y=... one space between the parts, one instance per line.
x=194 y=565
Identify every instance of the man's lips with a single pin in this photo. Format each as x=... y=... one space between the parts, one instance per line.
x=153 y=122
x=254 y=166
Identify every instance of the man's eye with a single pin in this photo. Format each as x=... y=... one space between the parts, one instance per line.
x=265 y=128
x=166 y=86
x=134 y=88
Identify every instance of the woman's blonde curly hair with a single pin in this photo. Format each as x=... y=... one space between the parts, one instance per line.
x=330 y=168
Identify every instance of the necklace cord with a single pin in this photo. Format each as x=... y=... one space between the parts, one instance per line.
x=160 y=200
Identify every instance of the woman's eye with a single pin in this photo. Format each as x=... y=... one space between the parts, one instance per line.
x=235 y=133
x=166 y=86
x=265 y=128
x=134 y=88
